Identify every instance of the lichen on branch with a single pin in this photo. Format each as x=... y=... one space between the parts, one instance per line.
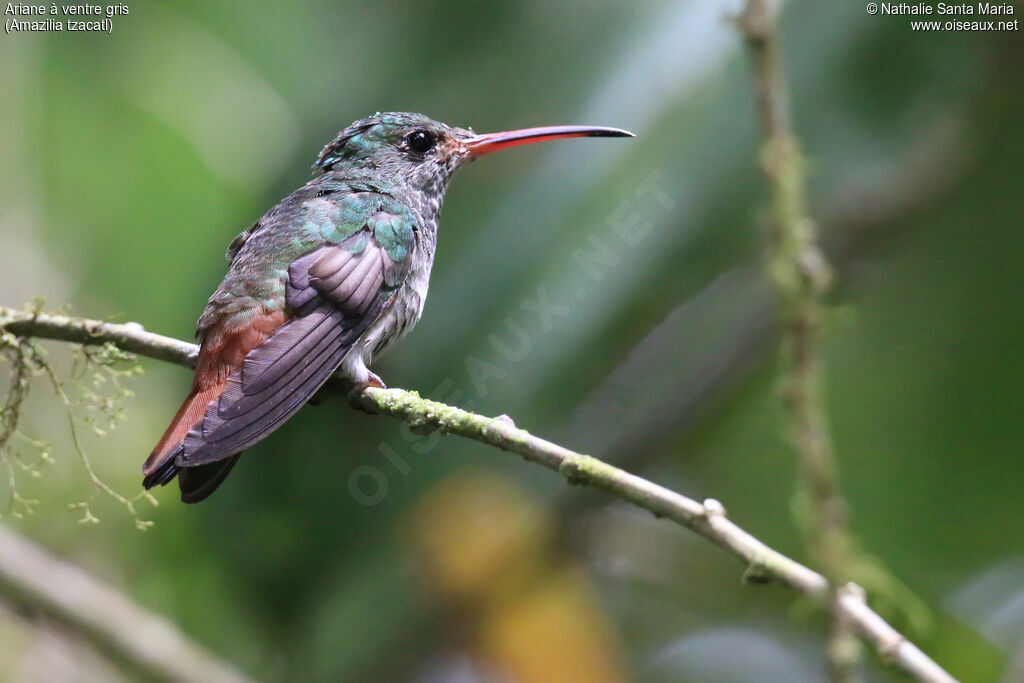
x=708 y=519
x=92 y=395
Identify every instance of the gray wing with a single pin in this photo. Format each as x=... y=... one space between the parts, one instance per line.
x=336 y=292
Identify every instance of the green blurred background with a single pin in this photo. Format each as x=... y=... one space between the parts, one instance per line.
x=346 y=548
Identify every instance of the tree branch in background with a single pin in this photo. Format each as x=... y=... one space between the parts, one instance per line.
x=144 y=645
x=707 y=519
x=800 y=273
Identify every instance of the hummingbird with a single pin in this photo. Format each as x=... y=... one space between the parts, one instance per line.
x=320 y=285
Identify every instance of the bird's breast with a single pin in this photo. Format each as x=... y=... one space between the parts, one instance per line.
x=401 y=316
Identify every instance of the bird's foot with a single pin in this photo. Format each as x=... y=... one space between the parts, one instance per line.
x=355 y=397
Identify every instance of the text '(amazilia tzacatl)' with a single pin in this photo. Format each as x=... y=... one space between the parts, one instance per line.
x=323 y=283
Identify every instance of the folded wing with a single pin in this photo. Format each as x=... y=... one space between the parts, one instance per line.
x=334 y=294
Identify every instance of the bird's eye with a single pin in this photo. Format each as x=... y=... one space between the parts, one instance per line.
x=420 y=141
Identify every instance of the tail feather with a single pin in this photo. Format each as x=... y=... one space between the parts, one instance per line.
x=187 y=417
x=197 y=483
x=163 y=473
x=160 y=467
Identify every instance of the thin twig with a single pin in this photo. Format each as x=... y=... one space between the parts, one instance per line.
x=29 y=359
x=128 y=503
x=800 y=274
x=10 y=413
x=708 y=519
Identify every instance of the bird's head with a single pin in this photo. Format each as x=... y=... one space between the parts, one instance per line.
x=423 y=153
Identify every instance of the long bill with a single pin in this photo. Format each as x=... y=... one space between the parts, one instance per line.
x=478 y=145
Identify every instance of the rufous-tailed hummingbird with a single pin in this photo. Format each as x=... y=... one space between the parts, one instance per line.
x=325 y=281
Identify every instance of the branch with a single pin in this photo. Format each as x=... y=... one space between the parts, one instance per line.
x=144 y=645
x=707 y=519
x=800 y=274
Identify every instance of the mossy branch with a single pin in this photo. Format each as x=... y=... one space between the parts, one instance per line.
x=91 y=394
x=800 y=275
x=706 y=518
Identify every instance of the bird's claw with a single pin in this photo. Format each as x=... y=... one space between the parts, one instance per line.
x=355 y=397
